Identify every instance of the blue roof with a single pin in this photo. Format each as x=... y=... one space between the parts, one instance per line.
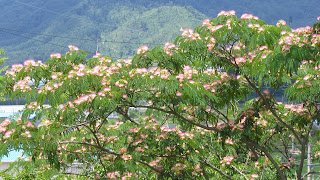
x=12 y=156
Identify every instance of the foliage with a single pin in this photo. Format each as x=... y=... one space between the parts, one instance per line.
x=194 y=126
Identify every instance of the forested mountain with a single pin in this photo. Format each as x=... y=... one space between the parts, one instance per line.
x=33 y=29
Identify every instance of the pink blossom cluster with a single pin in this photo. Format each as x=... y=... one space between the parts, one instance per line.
x=15 y=69
x=26 y=134
x=288 y=39
x=45 y=122
x=256 y=27
x=141 y=71
x=315 y=39
x=23 y=85
x=248 y=16
x=178 y=167
x=97 y=55
x=33 y=106
x=229 y=141
x=295 y=107
x=142 y=50
x=114 y=126
x=31 y=62
x=85 y=98
x=162 y=73
x=206 y=22
x=227 y=13
x=262 y=122
x=239 y=60
x=4 y=128
x=113 y=175
x=73 y=48
x=212 y=85
x=211 y=43
x=170 y=48
x=121 y=83
x=281 y=23
x=55 y=55
x=154 y=162
x=227 y=160
x=126 y=157
x=188 y=33
x=254 y=176
x=4 y=124
x=187 y=74
x=303 y=30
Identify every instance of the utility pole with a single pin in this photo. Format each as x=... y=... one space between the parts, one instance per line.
x=309 y=160
x=97 y=46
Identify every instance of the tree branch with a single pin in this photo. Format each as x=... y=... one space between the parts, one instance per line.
x=240 y=172
x=180 y=116
x=218 y=170
x=93 y=145
x=263 y=149
x=271 y=109
x=151 y=167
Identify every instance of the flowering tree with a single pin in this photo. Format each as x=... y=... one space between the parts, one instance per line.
x=199 y=123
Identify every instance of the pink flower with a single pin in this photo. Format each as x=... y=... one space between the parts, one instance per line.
x=179 y=93
x=240 y=60
x=29 y=124
x=142 y=50
x=318 y=18
x=126 y=157
x=54 y=76
x=73 y=48
x=229 y=141
x=55 y=55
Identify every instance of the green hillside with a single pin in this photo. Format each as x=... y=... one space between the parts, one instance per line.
x=35 y=29
x=152 y=27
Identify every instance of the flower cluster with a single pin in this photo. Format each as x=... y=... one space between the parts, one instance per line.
x=187 y=74
x=188 y=33
x=227 y=13
x=288 y=39
x=315 y=40
x=281 y=23
x=248 y=16
x=256 y=27
x=73 y=48
x=142 y=50
x=23 y=85
x=226 y=160
x=170 y=48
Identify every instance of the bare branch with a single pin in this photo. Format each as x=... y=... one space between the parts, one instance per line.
x=93 y=145
x=218 y=170
x=151 y=167
x=180 y=116
x=263 y=149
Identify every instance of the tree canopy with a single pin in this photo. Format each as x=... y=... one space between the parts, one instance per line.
x=195 y=117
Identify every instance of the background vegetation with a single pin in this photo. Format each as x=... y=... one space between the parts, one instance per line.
x=32 y=29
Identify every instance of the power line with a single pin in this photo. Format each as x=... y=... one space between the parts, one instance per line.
x=1 y=30
x=26 y=4
x=109 y=41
